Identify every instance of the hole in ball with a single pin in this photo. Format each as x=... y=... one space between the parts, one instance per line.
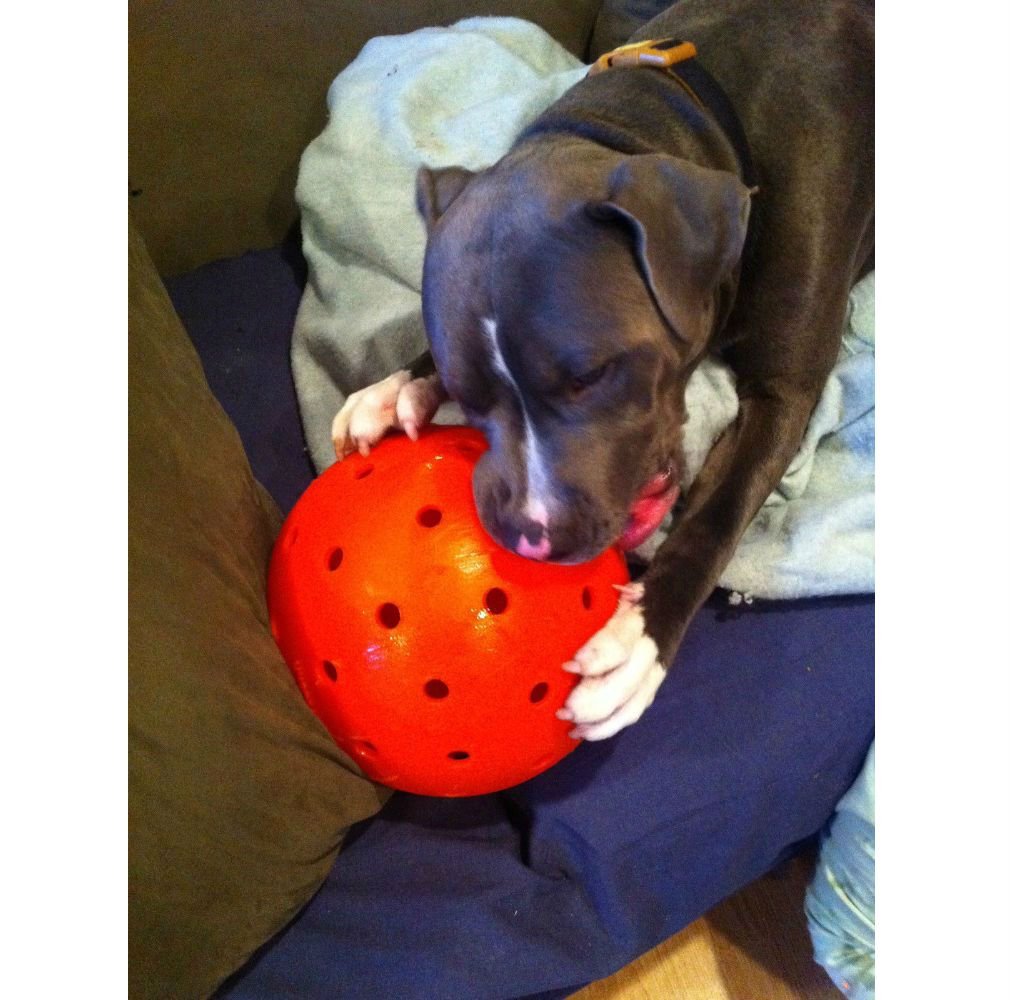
x=496 y=600
x=428 y=517
x=365 y=470
x=335 y=559
x=587 y=598
x=539 y=692
x=330 y=670
x=389 y=615
x=458 y=755
x=436 y=689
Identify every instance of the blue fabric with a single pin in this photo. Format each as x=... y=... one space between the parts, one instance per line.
x=239 y=313
x=760 y=728
x=752 y=739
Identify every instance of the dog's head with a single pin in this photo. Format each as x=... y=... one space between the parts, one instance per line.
x=567 y=300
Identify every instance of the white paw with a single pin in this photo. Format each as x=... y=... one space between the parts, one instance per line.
x=620 y=671
x=398 y=402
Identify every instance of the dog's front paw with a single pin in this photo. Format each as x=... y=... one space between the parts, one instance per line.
x=398 y=402
x=621 y=673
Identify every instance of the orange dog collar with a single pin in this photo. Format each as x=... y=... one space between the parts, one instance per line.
x=678 y=59
x=661 y=53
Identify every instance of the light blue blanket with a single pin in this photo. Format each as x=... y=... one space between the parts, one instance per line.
x=841 y=900
x=458 y=96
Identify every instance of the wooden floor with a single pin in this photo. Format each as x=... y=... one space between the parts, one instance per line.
x=752 y=946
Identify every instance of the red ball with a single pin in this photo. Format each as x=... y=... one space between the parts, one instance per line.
x=431 y=654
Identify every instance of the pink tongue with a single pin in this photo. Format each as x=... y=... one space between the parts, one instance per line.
x=648 y=511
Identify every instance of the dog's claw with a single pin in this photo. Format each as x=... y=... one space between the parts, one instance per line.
x=631 y=593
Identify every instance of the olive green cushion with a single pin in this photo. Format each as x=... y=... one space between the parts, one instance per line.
x=225 y=96
x=239 y=799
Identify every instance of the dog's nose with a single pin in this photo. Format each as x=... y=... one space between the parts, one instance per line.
x=540 y=550
x=533 y=541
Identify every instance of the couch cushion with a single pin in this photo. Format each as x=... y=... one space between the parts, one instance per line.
x=239 y=800
x=225 y=97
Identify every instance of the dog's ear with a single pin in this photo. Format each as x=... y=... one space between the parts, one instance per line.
x=436 y=190
x=689 y=224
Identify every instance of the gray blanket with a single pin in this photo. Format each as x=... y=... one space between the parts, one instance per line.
x=458 y=96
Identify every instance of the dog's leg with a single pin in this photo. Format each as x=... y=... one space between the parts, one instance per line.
x=624 y=664
x=744 y=467
x=405 y=400
x=779 y=382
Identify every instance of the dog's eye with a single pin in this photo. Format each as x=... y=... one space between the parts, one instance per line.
x=577 y=384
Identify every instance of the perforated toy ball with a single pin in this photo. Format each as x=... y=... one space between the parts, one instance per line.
x=431 y=654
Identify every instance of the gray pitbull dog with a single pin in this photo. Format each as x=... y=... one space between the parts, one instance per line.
x=571 y=289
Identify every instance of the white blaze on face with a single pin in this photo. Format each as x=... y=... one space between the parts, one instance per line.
x=538 y=486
